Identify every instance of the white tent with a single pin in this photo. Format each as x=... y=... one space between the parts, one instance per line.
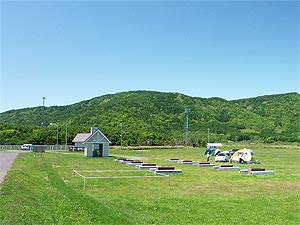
x=214 y=145
x=245 y=154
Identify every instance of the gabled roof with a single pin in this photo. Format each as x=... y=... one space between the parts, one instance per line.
x=81 y=137
x=85 y=137
x=97 y=131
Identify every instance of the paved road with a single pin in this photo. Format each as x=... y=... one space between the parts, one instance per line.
x=6 y=160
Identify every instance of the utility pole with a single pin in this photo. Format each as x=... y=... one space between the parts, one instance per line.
x=43 y=109
x=186 y=124
x=66 y=135
x=121 y=147
x=56 y=137
x=208 y=135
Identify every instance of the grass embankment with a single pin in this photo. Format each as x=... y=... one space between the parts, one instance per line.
x=44 y=191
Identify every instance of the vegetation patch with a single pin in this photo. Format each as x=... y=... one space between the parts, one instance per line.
x=44 y=191
x=148 y=118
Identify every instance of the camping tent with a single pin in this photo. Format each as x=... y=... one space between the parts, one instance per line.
x=246 y=155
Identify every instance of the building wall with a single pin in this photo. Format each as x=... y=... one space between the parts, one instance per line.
x=94 y=141
x=105 y=149
x=90 y=149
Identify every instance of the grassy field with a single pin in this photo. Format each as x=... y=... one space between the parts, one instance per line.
x=44 y=191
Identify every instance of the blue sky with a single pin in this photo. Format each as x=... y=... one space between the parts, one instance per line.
x=69 y=51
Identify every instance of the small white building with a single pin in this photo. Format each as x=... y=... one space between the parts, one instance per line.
x=95 y=143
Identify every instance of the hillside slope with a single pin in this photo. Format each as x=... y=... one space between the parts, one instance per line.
x=156 y=118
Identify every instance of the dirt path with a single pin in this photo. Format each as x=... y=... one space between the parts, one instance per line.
x=6 y=160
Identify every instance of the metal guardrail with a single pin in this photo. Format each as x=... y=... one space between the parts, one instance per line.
x=48 y=147
x=76 y=149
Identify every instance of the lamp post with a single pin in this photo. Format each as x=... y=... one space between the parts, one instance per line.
x=43 y=109
x=66 y=135
x=208 y=135
x=121 y=146
x=56 y=137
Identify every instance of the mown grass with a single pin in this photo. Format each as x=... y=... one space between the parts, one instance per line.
x=44 y=191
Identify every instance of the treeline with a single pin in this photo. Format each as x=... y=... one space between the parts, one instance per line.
x=155 y=118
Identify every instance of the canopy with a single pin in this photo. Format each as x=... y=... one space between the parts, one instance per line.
x=214 y=145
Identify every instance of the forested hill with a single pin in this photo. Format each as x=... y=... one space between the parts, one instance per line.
x=156 y=118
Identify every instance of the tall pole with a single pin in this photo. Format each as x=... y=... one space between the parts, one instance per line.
x=43 y=109
x=208 y=135
x=186 y=124
x=66 y=135
x=56 y=137
x=121 y=135
x=121 y=145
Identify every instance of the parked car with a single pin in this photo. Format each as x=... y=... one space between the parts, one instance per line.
x=27 y=147
x=222 y=157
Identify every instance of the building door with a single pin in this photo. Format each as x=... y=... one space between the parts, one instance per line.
x=98 y=150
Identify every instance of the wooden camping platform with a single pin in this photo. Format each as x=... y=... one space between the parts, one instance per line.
x=226 y=167
x=185 y=161
x=172 y=160
x=147 y=166
x=203 y=164
x=257 y=171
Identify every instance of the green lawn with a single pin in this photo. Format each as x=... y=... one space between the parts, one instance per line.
x=44 y=191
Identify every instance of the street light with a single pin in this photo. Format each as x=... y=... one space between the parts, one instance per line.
x=121 y=141
x=43 y=112
x=208 y=135
x=66 y=135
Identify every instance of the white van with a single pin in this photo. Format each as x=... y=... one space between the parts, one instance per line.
x=27 y=147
